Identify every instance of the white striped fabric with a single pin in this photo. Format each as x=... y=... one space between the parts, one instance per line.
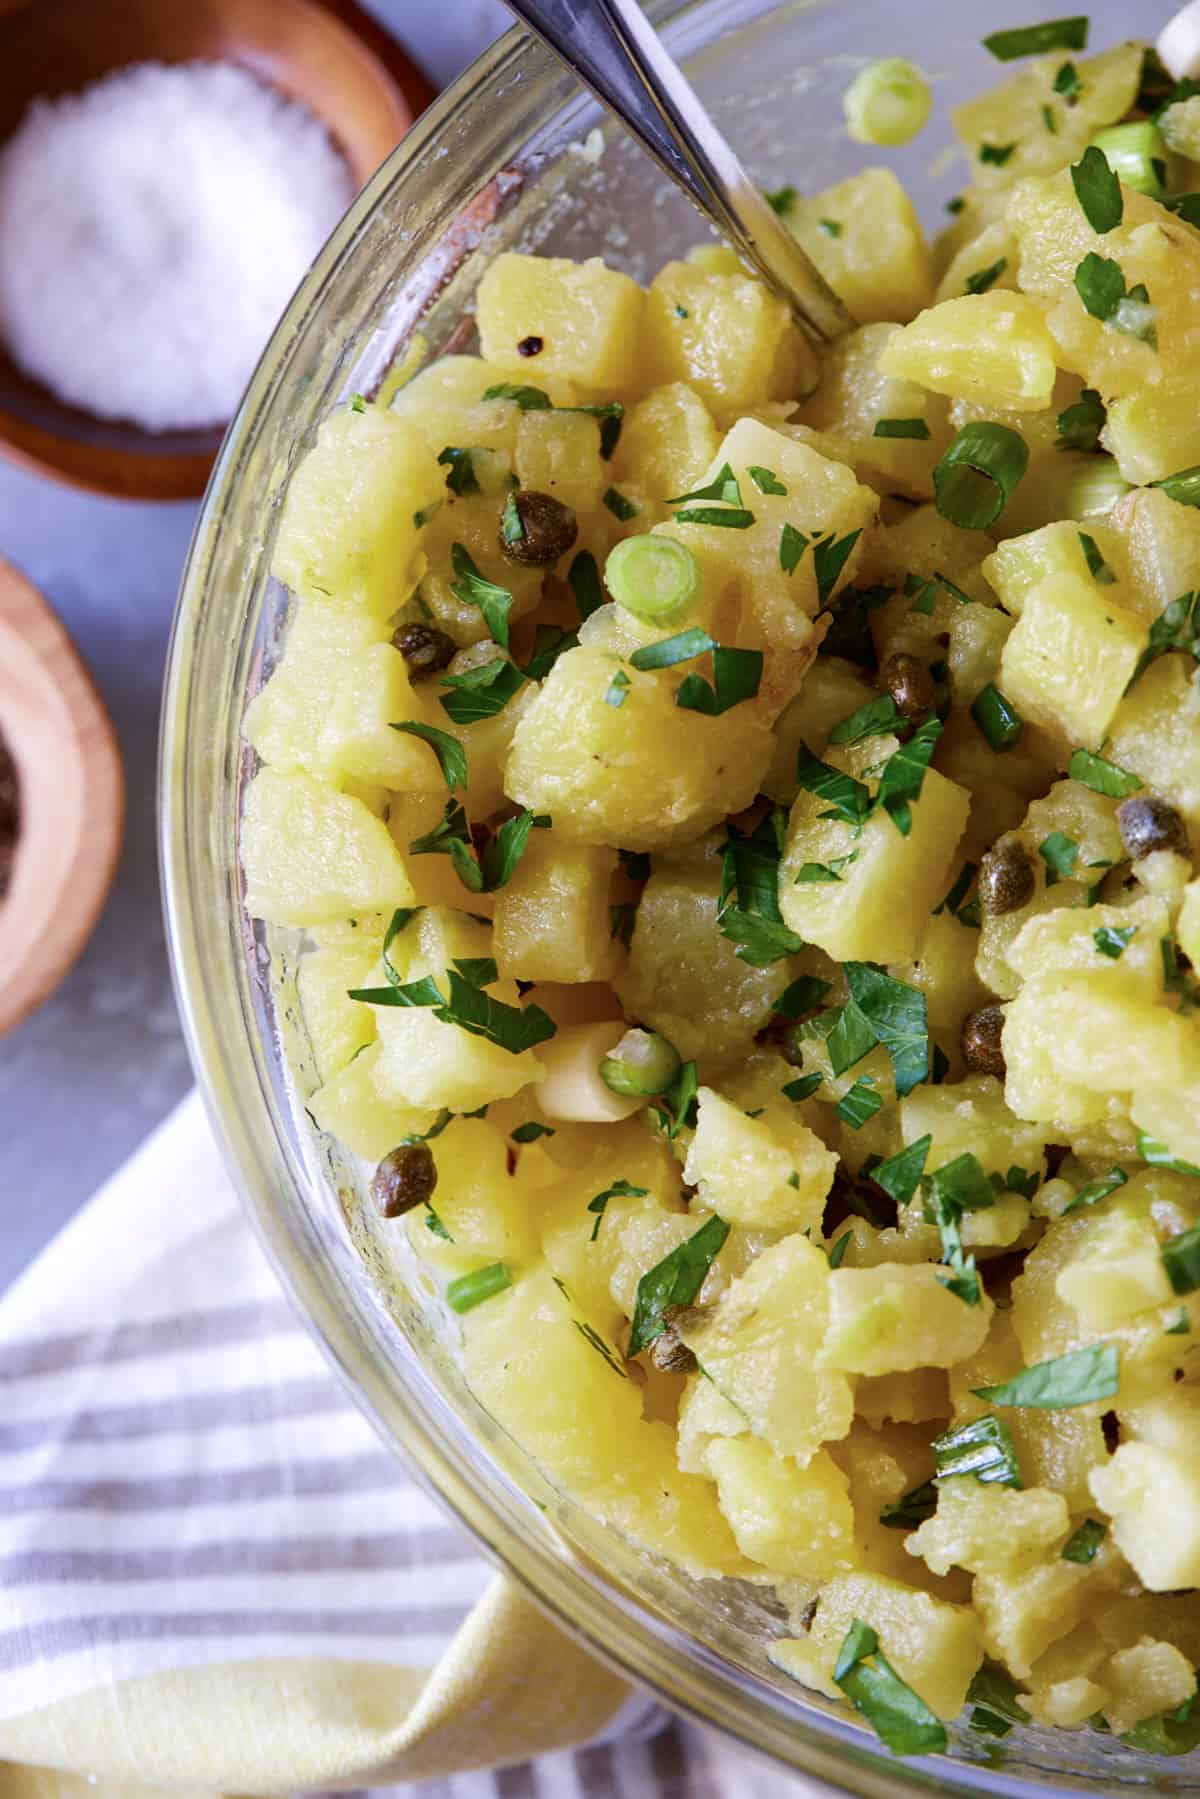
x=183 y=1482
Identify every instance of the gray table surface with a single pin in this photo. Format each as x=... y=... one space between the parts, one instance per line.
x=88 y=1076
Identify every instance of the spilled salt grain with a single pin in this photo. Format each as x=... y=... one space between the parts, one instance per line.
x=152 y=229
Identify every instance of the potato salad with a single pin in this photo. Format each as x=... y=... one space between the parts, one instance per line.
x=741 y=800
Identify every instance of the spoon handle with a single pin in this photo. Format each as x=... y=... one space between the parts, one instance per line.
x=614 y=49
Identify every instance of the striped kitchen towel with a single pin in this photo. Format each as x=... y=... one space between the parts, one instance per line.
x=215 y=1581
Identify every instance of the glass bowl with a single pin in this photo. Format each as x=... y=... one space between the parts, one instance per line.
x=500 y=161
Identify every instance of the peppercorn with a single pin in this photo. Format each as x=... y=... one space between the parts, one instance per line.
x=1148 y=824
x=1006 y=878
x=981 y=1047
x=909 y=682
x=531 y=346
x=548 y=529
x=425 y=649
x=405 y=1178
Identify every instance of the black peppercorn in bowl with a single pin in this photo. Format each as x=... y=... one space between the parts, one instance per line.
x=515 y=156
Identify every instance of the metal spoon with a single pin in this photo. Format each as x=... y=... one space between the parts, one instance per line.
x=615 y=50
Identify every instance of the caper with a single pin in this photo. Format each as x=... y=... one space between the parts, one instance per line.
x=1006 y=878
x=425 y=649
x=1148 y=824
x=909 y=682
x=547 y=528
x=669 y=1353
x=981 y=1046
x=531 y=346
x=405 y=1178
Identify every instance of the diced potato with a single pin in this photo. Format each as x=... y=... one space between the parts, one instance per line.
x=1066 y=940
x=585 y=1427
x=970 y=1116
x=795 y=1521
x=1144 y=1682
x=1152 y=432
x=667 y=440
x=878 y=263
x=993 y=347
x=934 y=1647
x=472 y=522
x=1070 y=658
x=855 y=395
x=639 y=775
x=590 y=318
x=832 y=690
x=944 y=970
x=310 y=853
x=1162 y=542
x=759 y=1345
x=1117 y=1273
x=1171 y=1116
x=337 y=1025
x=1023 y=1613
x=427 y=1061
x=705 y=1416
x=993 y=248
x=350 y=1108
x=978 y=635
x=753 y=1177
x=1020 y=564
x=485 y=1209
x=730 y=339
x=1065 y=1032
x=894 y=1316
x=552 y=916
x=1066 y=1704
x=1152 y=1496
x=446 y=405
x=878 y=906
x=1156 y=734
x=372 y=692
x=347 y=530
x=559 y=453
x=1011 y=114
x=1187 y=925
x=912 y=1397
x=990 y=1529
x=685 y=979
x=283 y=721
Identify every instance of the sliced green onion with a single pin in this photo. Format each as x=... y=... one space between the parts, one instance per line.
x=1086 y=1541
x=1035 y=40
x=620 y=505
x=1137 y=154
x=1158 y=1155
x=1098 y=190
x=1183 y=487
x=887 y=102
x=652 y=576
x=997 y=718
x=671 y=650
x=1095 y=487
x=979 y=474
x=642 y=1063
x=470 y=1290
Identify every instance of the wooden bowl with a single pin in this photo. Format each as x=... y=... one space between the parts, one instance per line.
x=72 y=799
x=327 y=54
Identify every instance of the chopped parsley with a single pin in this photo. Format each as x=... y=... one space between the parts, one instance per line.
x=1101 y=776
x=529 y=399
x=859 y=1103
x=474 y=589
x=903 y=775
x=875 y=719
x=915 y=1508
x=730 y=518
x=982 y=279
x=802 y=995
x=997 y=154
x=452 y=757
x=900 y=1175
x=1098 y=191
x=993 y=1696
x=1157 y=1155
x=670 y=650
x=513 y=1028
x=723 y=486
x=619 y=505
x=1059 y=852
x=583 y=578
x=782 y=200
x=1080 y=1377
x=675 y=1281
x=1098 y=569
x=765 y=479
x=736 y=677
x=802 y=1088
x=676 y=1108
x=529 y=1133
x=846 y=798
x=748 y=912
x=829 y=559
x=1095 y=1191
x=895 y=1015
x=615 y=692
x=1177 y=627
x=1082 y=1545
x=1181 y=1259
x=618 y=1190
x=792 y=545
x=837 y=1252
x=481 y=692
x=1036 y=40
x=1113 y=940
x=900 y=1718
x=830 y=227
x=460 y=476
x=1080 y=425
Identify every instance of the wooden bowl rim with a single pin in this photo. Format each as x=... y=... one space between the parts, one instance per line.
x=140 y=471
x=54 y=900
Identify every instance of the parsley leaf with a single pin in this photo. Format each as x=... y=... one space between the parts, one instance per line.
x=993 y=1694
x=1082 y=1546
x=1098 y=191
x=676 y=1108
x=904 y=774
x=514 y=1028
x=452 y=757
x=803 y=1088
x=748 y=912
x=723 y=486
x=618 y=1190
x=847 y=798
x=481 y=692
x=1181 y=1259
x=997 y=154
x=900 y=1175
x=1059 y=852
x=859 y=1103
x=1100 y=285
x=982 y=279
x=765 y=479
x=896 y=1016
x=670 y=650
x=736 y=676
x=675 y=1281
x=830 y=558
x=614 y=693
x=1177 y=627
x=529 y=399
x=913 y=1509
x=913 y=428
x=474 y=589
x=800 y=996
x=620 y=505
x=1078 y=1378
x=900 y=1718
x=792 y=545
x=1113 y=940
x=1080 y=425
x=875 y=719
x=583 y=578
x=1096 y=1190
x=529 y=1133
x=460 y=476
x=1101 y=776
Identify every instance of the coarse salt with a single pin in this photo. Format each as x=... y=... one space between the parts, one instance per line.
x=152 y=229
